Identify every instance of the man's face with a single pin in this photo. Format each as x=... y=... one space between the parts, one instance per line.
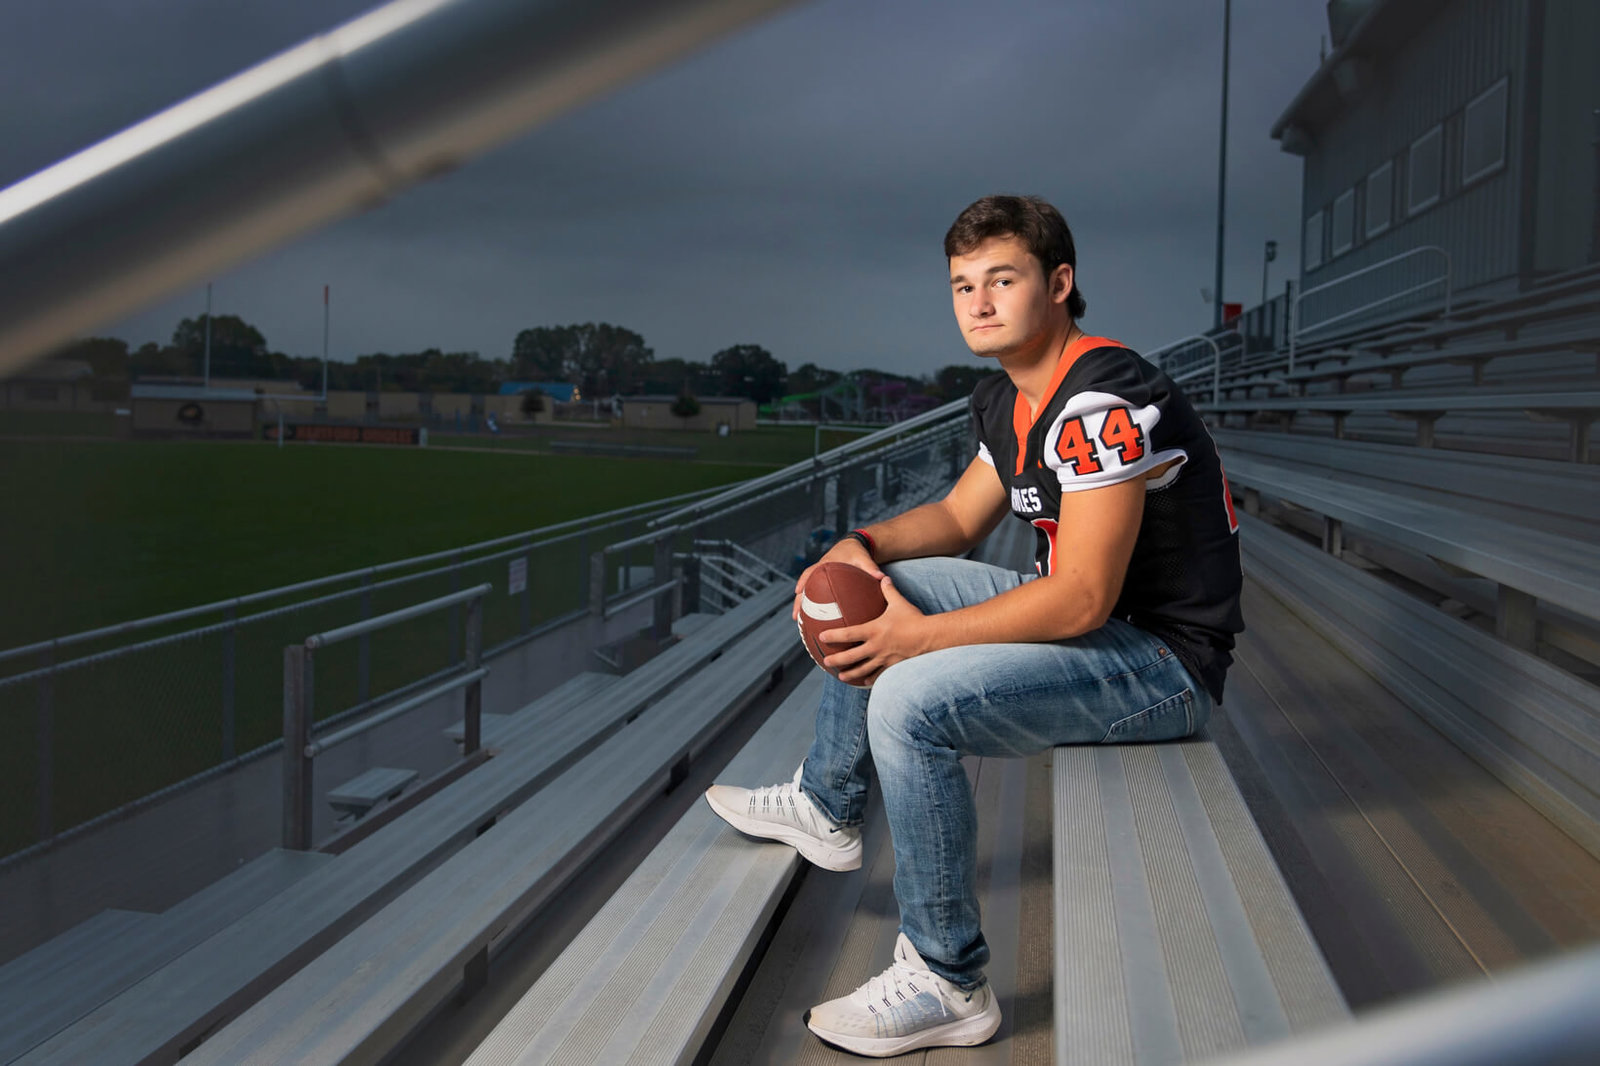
x=1003 y=302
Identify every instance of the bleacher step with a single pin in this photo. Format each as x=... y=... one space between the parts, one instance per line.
x=70 y=976
x=1176 y=937
x=649 y=974
x=1531 y=724
x=402 y=962
x=53 y=963
x=177 y=1004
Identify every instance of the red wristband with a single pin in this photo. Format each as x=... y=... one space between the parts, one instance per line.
x=866 y=541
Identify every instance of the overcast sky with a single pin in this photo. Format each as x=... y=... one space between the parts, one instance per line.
x=789 y=186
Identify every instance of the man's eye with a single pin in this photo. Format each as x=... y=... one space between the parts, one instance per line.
x=1002 y=281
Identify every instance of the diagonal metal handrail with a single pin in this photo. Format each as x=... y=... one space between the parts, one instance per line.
x=335 y=125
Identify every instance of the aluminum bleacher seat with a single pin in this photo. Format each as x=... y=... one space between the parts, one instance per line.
x=649 y=975
x=1533 y=725
x=392 y=970
x=173 y=1008
x=60 y=981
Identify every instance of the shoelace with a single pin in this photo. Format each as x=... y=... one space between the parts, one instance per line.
x=782 y=796
x=889 y=988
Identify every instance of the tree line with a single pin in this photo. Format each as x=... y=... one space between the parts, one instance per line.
x=598 y=358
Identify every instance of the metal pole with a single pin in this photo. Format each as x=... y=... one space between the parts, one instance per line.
x=364 y=645
x=1292 y=320
x=472 y=710
x=229 y=651
x=207 y=372
x=1222 y=161
x=1269 y=252
x=45 y=741
x=455 y=612
x=661 y=618
x=297 y=766
x=597 y=585
x=1594 y=235
x=325 y=343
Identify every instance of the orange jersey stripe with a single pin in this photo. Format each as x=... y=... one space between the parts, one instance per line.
x=1022 y=419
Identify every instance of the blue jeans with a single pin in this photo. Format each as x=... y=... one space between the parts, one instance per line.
x=921 y=716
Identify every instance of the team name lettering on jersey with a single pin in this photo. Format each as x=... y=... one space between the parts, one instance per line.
x=1025 y=500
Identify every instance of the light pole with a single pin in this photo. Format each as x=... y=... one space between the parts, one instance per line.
x=325 y=344
x=1268 y=256
x=1222 y=162
x=206 y=374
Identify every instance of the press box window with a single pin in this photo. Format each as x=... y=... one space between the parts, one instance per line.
x=1344 y=222
x=1313 y=241
x=1483 y=134
x=1426 y=168
x=1380 y=199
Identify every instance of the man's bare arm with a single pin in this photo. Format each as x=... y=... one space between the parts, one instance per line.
x=972 y=508
x=1098 y=530
x=955 y=524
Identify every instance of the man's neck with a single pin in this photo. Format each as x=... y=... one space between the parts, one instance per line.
x=1032 y=371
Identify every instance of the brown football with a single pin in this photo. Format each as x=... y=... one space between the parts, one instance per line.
x=835 y=595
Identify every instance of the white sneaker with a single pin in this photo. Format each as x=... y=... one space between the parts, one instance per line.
x=906 y=1007
x=786 y=814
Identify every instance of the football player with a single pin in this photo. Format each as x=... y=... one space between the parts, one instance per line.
x=1122 y=633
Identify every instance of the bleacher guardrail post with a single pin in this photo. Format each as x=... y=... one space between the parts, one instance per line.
x=230 y=638
x=527 y=596
x=297 y=766
x=45 y=740
x=455 y=612
x=364 y=646
x=472 y=706
x=661 y=614
x=597 y=585
x=691 y=584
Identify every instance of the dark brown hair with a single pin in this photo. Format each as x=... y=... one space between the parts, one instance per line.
x=1033 y=221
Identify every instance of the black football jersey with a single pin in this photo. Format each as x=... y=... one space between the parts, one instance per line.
x=1110 y=415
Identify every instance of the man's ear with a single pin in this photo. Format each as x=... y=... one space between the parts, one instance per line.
x=1061 y=283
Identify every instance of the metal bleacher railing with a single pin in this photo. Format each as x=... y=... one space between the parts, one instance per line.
x=300 y=747
x=110 y=728
x=103 y=724
x=1385 y=295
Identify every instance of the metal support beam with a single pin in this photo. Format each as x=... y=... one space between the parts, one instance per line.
x=1333 y=537
x=297 y=765
x=661 y=617
x=1516 y=618
x=472 y=707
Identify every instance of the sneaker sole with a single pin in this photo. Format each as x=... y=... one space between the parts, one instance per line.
x=839 y=860
x=966 y=1032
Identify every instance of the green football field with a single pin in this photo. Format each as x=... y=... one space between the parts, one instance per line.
x=98 y=532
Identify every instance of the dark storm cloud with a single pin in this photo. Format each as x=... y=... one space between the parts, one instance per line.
x=788 y=187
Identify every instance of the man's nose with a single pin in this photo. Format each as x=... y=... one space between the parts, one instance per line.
x=979 y=305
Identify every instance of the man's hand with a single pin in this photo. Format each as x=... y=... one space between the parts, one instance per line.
x=899 y=633
x=848 y=550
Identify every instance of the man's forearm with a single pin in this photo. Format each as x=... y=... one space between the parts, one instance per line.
x=1048 y=609
x=930 y=529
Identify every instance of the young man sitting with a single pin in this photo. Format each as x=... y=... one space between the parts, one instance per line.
x=1123 y=634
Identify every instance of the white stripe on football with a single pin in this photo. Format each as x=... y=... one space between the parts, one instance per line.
x=822 y=612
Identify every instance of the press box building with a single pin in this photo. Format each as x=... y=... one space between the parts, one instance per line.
x=1469 y=126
